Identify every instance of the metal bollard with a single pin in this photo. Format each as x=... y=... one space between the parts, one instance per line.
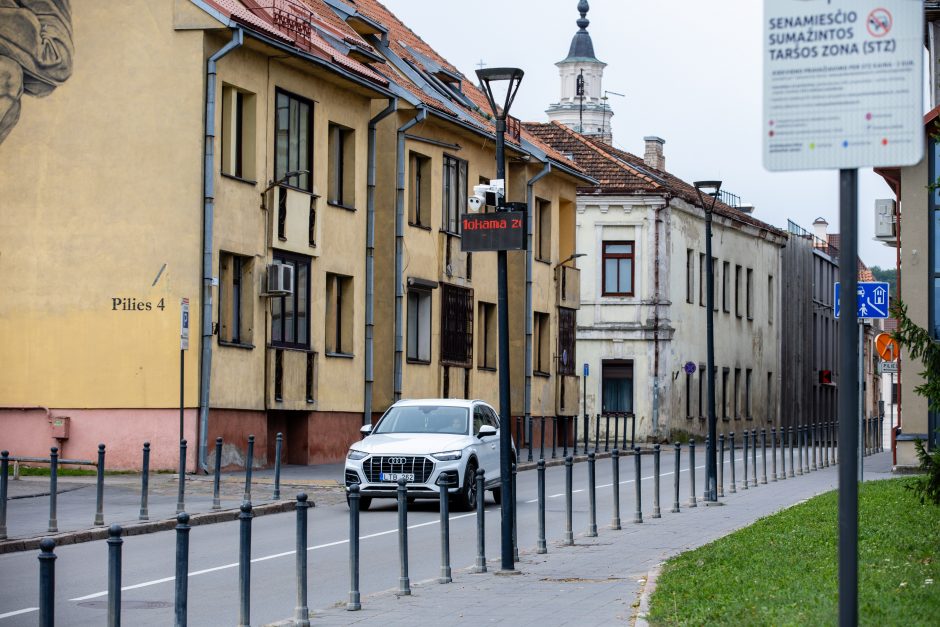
x=301 y=611
x=754 y=457
x=615 y=472
x=181 y=488
x=481 y=526
x=515 y=511
x=617 y=430
x=592 y=498
x=445 y=533
x=47 y=582
x=812 y=439
x=520 y=436
x=244 y=565
x=721 y=464
x=99 y=494
x=354 y=604
x=763 y=456
x=145 y=483
x=554 y=437
x=569 y=534
x=564 y=441
x=597 y=431
x=180 y=609
x=732 y=489
x=279 y=442
x=114 y=575
x=692 y=502
x=4 y=471
x=541 y=437
x=799 y=449
x=249 y=462
x=216 y=501
x=656 y=511
x=638 y=514
x=607 y=434
x=824 y=440
x=747 y=440
x=54 y=489
x=773 y=449
x=541 y=546
x=404 y=584
x=783 y=454
x=632 y=418
x=790 y=446
x=675 y=478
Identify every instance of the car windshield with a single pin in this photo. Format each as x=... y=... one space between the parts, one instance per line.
x=424 y=419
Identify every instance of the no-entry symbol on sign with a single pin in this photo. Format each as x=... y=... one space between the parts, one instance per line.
x=879 y=22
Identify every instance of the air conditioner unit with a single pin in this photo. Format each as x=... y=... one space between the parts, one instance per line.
x=884 y=218
x=280 y=279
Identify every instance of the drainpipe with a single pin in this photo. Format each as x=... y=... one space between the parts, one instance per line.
x=656 y=224
x=370 y=260
x=530 y=201
x=208 y=188
x=400 y=246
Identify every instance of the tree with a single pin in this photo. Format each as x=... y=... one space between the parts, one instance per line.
x=920 y=345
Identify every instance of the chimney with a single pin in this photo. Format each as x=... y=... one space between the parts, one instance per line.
x=822 y=238
x=653 y=156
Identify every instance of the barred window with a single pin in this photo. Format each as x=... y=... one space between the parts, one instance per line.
x=456 y=325
x=567 y=325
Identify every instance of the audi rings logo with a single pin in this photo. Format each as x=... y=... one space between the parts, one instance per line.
x=397 y=461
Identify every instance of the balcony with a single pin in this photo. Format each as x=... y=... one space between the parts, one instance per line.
x=568 y=286
x=291 y=379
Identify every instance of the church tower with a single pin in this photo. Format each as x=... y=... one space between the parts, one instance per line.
x=582 y=106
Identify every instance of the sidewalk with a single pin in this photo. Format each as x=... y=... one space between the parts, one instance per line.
x=599 y=581
x=28 y=502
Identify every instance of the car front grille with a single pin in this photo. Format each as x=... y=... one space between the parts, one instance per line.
x=421 y=466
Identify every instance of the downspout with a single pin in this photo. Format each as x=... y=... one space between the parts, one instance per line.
x=656 y=224
x=530 y=200
x=370 y=261
x=208 y=210
x=400 y=246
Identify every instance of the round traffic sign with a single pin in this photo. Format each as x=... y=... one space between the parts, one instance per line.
x=887 y=347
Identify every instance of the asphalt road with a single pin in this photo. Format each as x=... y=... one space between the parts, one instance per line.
x=148 y=564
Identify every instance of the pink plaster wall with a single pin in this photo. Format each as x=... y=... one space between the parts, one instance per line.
x=234 y=426
x=28 y=432
x=329 y=435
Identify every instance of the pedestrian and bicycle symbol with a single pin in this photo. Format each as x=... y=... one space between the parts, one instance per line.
x=872 y=298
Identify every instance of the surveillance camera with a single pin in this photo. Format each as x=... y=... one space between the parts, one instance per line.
x=474 y=204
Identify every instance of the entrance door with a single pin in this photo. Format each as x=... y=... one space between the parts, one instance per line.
x=617 y=386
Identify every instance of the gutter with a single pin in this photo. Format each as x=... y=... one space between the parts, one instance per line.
x=527 y=367
x=656 y=301
x=208 y=211
x=400 y=247
x=370 y=261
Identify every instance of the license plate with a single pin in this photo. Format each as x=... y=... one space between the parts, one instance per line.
x=395 y=476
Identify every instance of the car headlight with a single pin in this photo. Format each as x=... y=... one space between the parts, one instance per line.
x=354 y=454
x=446 y=456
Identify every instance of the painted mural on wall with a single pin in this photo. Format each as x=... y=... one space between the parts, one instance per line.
x=36 y=53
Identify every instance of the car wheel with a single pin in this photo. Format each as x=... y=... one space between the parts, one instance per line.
x=364 y=502
x=498 y=495
x=468 y=496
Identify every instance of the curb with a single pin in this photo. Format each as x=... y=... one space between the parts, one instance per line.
x=136 y=529
x=641 y=614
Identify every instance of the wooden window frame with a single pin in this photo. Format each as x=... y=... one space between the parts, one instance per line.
x=303 y=161
x=631 y=256
x=296 y=260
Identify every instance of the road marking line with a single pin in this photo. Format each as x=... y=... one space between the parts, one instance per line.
x=18 y=612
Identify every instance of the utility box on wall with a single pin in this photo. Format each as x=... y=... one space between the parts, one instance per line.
x=60 y=427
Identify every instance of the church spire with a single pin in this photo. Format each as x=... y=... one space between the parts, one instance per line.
x=582 y=48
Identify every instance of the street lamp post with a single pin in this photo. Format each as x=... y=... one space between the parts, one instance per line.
x=513 y=77
x=710 y=188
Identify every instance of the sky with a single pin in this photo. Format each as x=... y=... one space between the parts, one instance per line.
x=691 y=72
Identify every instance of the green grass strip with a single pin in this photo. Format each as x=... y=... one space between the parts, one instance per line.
x=783 y=569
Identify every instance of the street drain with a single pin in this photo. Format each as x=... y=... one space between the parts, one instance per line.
x=127 y=605
x=580 y=580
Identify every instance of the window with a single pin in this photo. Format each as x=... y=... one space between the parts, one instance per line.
x=689 y=275
x=701 y=390
x=714 y=283
x=293 y=143
x=540 y=343
x=750 y=291
x=701 y=279
x=618 y=269
x=486 y=332
x=543 y=225
x=617 y=386
x=566 y=340
x=737 y=291
x=736 y=407
x=238 y=133
x=419 y=206
x=455 y=193
x=747 y=393
x=236 y=295
x=419 y=325
x=456 y=325
x=725 y=375
x=770 y=299
x=342 y=168
x=339 y=315
x=688 y=395
x=726 y=287
x=289 y=320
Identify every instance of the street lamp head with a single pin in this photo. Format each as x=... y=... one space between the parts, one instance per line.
x=491 y=75
x=572 y=257
x=707 y=188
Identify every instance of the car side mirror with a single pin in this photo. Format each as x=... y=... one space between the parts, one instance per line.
x=486 y=430
x=365 y=430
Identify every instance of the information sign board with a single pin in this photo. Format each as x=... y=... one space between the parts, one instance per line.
x=872 y=299
x=501 y=230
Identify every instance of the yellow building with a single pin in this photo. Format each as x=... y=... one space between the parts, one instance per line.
x=276 y=220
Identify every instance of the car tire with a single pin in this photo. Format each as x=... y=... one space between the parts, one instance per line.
x=364 y=502
x=467 y=500
x=497 y=495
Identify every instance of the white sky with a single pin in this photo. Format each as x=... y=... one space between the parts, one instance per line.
x=692 y=74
